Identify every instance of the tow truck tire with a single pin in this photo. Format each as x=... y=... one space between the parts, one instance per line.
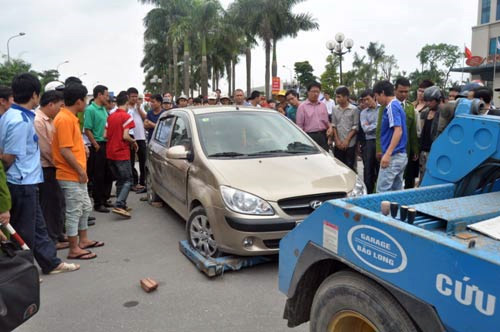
x=349 y=302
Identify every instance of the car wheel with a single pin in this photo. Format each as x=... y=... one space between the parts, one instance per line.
x=349 y=302
x=152 y=196
x=200 y=235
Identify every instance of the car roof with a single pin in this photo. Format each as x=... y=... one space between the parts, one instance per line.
x=196 y=110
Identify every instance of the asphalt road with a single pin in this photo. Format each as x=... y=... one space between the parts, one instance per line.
x=105 y=295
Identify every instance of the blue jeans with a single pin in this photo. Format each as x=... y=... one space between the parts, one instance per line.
x=78 y=206
x=27 y=220
x=122 y=170
x=391 y=177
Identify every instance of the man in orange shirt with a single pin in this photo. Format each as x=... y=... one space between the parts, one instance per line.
x=70 y=161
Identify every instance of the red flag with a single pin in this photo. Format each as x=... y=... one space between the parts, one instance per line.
x=468 y=53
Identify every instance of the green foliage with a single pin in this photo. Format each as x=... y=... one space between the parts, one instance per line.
x=304 y=72
x=47 y=76
x=10 y=69
x=330 y=77
x=438 y=60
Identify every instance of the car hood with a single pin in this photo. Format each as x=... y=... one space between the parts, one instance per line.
x=281 y=177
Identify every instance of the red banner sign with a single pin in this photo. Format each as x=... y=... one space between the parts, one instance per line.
x=276 y=85
x=474 y=61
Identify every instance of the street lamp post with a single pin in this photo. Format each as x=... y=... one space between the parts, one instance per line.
x=291 y=75
x=339 y=47
x=62 y=63
x=20 y=34
x=155 y=80
x=80 y=76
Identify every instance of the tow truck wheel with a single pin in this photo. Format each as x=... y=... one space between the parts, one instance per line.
x=349 y=302
x=200 y=235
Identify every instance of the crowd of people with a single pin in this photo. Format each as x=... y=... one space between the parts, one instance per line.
x=61 y=153
x=392 y=135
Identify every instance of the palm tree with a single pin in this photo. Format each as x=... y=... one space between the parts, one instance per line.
x=272 y=20
x=289 y=25
x=375 y=53
x=206 y=14
x=238 y=14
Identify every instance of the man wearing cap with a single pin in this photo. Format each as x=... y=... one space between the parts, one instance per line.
x=225 y=100
x=212 y=99
x=167 y=103
x=51 y=196
x=182 y=101
x=94 y=123
x=153 y=115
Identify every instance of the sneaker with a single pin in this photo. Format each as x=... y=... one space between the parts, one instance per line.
x=121 y=212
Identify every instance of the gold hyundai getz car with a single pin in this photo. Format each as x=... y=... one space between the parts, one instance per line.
x=241 y=177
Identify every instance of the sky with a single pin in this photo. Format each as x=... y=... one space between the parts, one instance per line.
x=102 y=40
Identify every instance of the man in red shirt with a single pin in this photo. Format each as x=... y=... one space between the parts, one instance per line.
x=118 y=152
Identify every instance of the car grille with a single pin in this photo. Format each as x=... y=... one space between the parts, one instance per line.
x=300 y=206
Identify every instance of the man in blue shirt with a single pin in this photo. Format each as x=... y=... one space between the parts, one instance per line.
x=20 y=154
x=153 y=114
x=393 y=139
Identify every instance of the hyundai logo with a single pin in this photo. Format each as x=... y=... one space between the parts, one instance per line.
x=315 y=204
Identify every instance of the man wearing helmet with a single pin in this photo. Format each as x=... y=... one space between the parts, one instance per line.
x=429 y=120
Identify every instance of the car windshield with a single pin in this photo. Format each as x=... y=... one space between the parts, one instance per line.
x=250 y=135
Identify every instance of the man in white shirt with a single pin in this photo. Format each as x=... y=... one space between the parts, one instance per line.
x=139 y=134
x=330 y=104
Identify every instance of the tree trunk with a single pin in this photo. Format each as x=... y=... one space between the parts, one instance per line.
x=204 y=69
x=186 y=65
x=192 y=81
x=248 y=54
x=234 y=76
x=268 y=65
x=176 y=67
x=275 y=61
x=213 y=78
x=229 y=75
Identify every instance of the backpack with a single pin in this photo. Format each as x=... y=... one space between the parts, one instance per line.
x=19 y=286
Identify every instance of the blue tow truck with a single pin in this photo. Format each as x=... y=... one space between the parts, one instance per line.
x=350 y=268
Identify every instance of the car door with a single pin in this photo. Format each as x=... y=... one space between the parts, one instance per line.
x=158 y=156
x=177 y=169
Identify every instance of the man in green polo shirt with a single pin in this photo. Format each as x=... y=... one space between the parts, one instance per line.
x=94 y=124
x=402 y=88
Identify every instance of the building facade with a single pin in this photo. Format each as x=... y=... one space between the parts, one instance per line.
x=484 y=44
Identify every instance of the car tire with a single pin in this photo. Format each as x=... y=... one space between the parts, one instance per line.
x=199 y=233
x=349 y=302
x=151 y=194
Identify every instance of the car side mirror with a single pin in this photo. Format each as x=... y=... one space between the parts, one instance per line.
x=178 y=152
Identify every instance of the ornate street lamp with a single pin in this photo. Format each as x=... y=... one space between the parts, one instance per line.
x=339 y=47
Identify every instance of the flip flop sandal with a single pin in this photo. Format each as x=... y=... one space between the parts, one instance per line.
x=66 y=267
x=82 y=256
x=94 y=244
x=121 y=212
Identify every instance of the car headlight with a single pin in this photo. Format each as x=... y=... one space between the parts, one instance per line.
x=359 y=189
x=243 y=202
